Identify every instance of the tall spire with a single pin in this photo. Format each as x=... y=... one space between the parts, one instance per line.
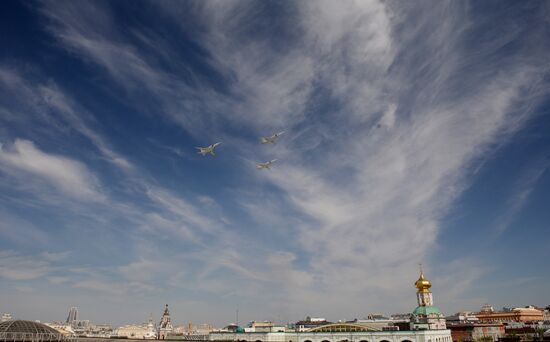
x=165 y=325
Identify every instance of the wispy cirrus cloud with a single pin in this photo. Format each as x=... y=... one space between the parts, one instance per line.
x=105 y=46
x=26 y=99
x=20 y=267
x=521 y=192
x=371 y=192
x=64 y=174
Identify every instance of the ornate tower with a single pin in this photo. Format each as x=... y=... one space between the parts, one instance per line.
x=426 y=316
x=165 y=326
x=424 y=296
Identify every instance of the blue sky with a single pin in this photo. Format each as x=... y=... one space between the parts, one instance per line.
x=414 y=133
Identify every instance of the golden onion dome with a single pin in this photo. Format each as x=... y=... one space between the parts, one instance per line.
x=423 y=284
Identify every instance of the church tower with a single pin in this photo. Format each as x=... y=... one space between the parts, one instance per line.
x=165 y=326
x=426 y=316
x=424 y=296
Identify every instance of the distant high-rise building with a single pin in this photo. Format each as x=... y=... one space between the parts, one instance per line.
x=6 y=317
x=73 y=315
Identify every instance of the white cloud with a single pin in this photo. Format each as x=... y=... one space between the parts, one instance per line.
x=30 y=101
x=388 y=119
x=64 y=174
x=14 y=266
x=58 y=101
x=21 y=232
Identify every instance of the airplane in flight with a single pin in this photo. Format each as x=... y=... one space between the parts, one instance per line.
x=266 y=165
x=209 y=149
x=271 y=139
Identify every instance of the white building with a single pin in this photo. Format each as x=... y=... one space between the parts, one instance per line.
x=145 y=331
x=6 y=317
x=63 y=328
x=463 y=317
x=136 y=331
x=265 y=326
x=339 y=332
x=310 y=322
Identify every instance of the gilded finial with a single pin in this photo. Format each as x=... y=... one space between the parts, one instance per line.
x=422 y=284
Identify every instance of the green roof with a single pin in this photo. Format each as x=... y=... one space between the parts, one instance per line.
x=426 y=310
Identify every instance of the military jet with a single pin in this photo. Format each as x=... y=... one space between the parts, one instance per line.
x=209 y=149
x=271 y=139
x=266 y=165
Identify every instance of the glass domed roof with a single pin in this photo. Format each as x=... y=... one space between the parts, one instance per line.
x=19 y=330
x=20 y=326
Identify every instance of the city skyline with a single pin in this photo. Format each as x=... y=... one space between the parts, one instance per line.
x=413 y=133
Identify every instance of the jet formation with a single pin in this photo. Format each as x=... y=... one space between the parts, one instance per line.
x=272 y=139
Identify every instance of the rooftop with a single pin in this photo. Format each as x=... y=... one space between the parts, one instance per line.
x=20 y=330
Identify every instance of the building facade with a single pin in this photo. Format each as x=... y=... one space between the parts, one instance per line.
x=144 y=331
x=337 y=336
x=310 y=323
x=63 y=328
x=476 y=331
x=527 y=314
x=462 y=317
